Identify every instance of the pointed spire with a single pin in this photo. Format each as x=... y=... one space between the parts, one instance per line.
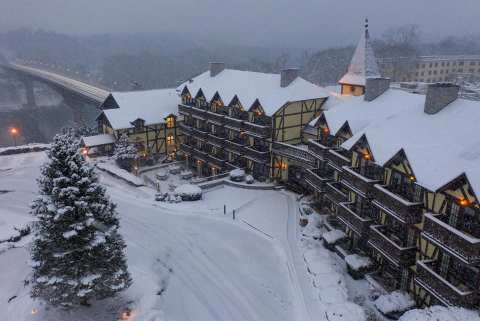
x=363 y=64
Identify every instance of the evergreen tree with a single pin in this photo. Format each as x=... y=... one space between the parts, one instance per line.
x=78 y=253
x=125 y=153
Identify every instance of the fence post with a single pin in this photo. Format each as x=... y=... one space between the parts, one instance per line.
x=233 y=215
x=224 y=209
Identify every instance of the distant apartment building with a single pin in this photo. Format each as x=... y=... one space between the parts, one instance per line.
x=431 y=69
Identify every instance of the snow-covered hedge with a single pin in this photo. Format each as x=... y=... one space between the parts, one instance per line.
x=174 y=169
x=189 y=192
x=249 y=179
x=357 y=265
x=162 y=175
x=237 y=175
x=395 y=302
x=186 y=174
x=333 y=236
x=440 y=313
x=34 y=147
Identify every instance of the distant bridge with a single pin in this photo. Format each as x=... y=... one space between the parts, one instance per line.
x=65 y=86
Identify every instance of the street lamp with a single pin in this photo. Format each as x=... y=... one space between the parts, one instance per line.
x=14 y=134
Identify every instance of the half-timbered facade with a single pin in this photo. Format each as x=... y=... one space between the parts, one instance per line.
x=148 y=118
x=233 y=117
x=399 y=173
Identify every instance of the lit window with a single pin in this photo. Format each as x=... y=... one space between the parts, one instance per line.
x=170 y=122
x=170 y=139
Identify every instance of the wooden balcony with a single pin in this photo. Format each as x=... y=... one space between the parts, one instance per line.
x=235 y=146
x=186 y=129
x=216 y=140
x=216 y=160
x=357 y=182
x=334 y=193
x=200 y=132
x=193 y=111
x=257 y=130
x=465 y=247
x=187 y=149
x=357 y=223
x=316 y=181
x=336 y=159
x=317 y=149
x=215 y=117
x=403 y=210
x=257 y=155
x=443 y=290
x=295 y=153
x=382 y=241
x=233 y=122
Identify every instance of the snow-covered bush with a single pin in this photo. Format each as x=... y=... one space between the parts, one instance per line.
x=174 y=169
x=440 y=313
x=162 y=175
x=186 y=174
x=396 y=302
x=87 y=259
x=249 y=179
x=125 y=153
x=307 y=209
x=237 y=175
x=189 y=192
x=331 y=238
x=357 y=265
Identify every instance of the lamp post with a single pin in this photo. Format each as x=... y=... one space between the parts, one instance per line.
x=14 y=134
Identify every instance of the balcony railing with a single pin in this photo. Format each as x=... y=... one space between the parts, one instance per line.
x=381 y=239
x=233 y=122
x=336 y=159
x=391 y=203
x=215 y=117
x=216 y=160
x=444 y=291
x=355 y=181
x=261 y=155
x=194 y=111
x=258 y=130
x=185 y=128
x=294 y=152
x=317 y=149
x=358 y=224
x=465 y=247
x=237 y=147
x=316 y=181
x=335 y=193
x=216 y=140
x=186 y=149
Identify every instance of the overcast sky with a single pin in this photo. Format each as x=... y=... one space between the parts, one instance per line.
x=289 y=23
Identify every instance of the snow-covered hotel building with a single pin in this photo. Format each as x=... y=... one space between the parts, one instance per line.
x=400 y=174
x=148 y=118
x=240 y=119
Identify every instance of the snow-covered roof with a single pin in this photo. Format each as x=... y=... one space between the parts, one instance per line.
x=249 y=86
x=363 y=64
x=439 y=147
x=98 y=140
x=152 y=106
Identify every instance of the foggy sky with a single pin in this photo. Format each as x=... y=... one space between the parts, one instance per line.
x=289 y=23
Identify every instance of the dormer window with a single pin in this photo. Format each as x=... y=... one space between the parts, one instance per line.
x=170 y=122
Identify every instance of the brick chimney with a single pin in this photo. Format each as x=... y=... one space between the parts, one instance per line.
x=287 y=76
x=375 y=86
x=216 y=68
x=439 y=95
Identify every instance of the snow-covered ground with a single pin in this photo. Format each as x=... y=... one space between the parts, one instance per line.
x=192 y=261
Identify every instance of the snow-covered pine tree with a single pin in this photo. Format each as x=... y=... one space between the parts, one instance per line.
x=125 y=153
x=77 y=253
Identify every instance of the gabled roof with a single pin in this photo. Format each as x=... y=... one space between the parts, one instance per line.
x=98 y=140
x=250 y=86
x=152 y=106
x=363 y=64
x=439 y=147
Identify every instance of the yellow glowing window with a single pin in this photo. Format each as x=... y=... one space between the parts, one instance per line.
x=170 y=139
x=170 y=122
